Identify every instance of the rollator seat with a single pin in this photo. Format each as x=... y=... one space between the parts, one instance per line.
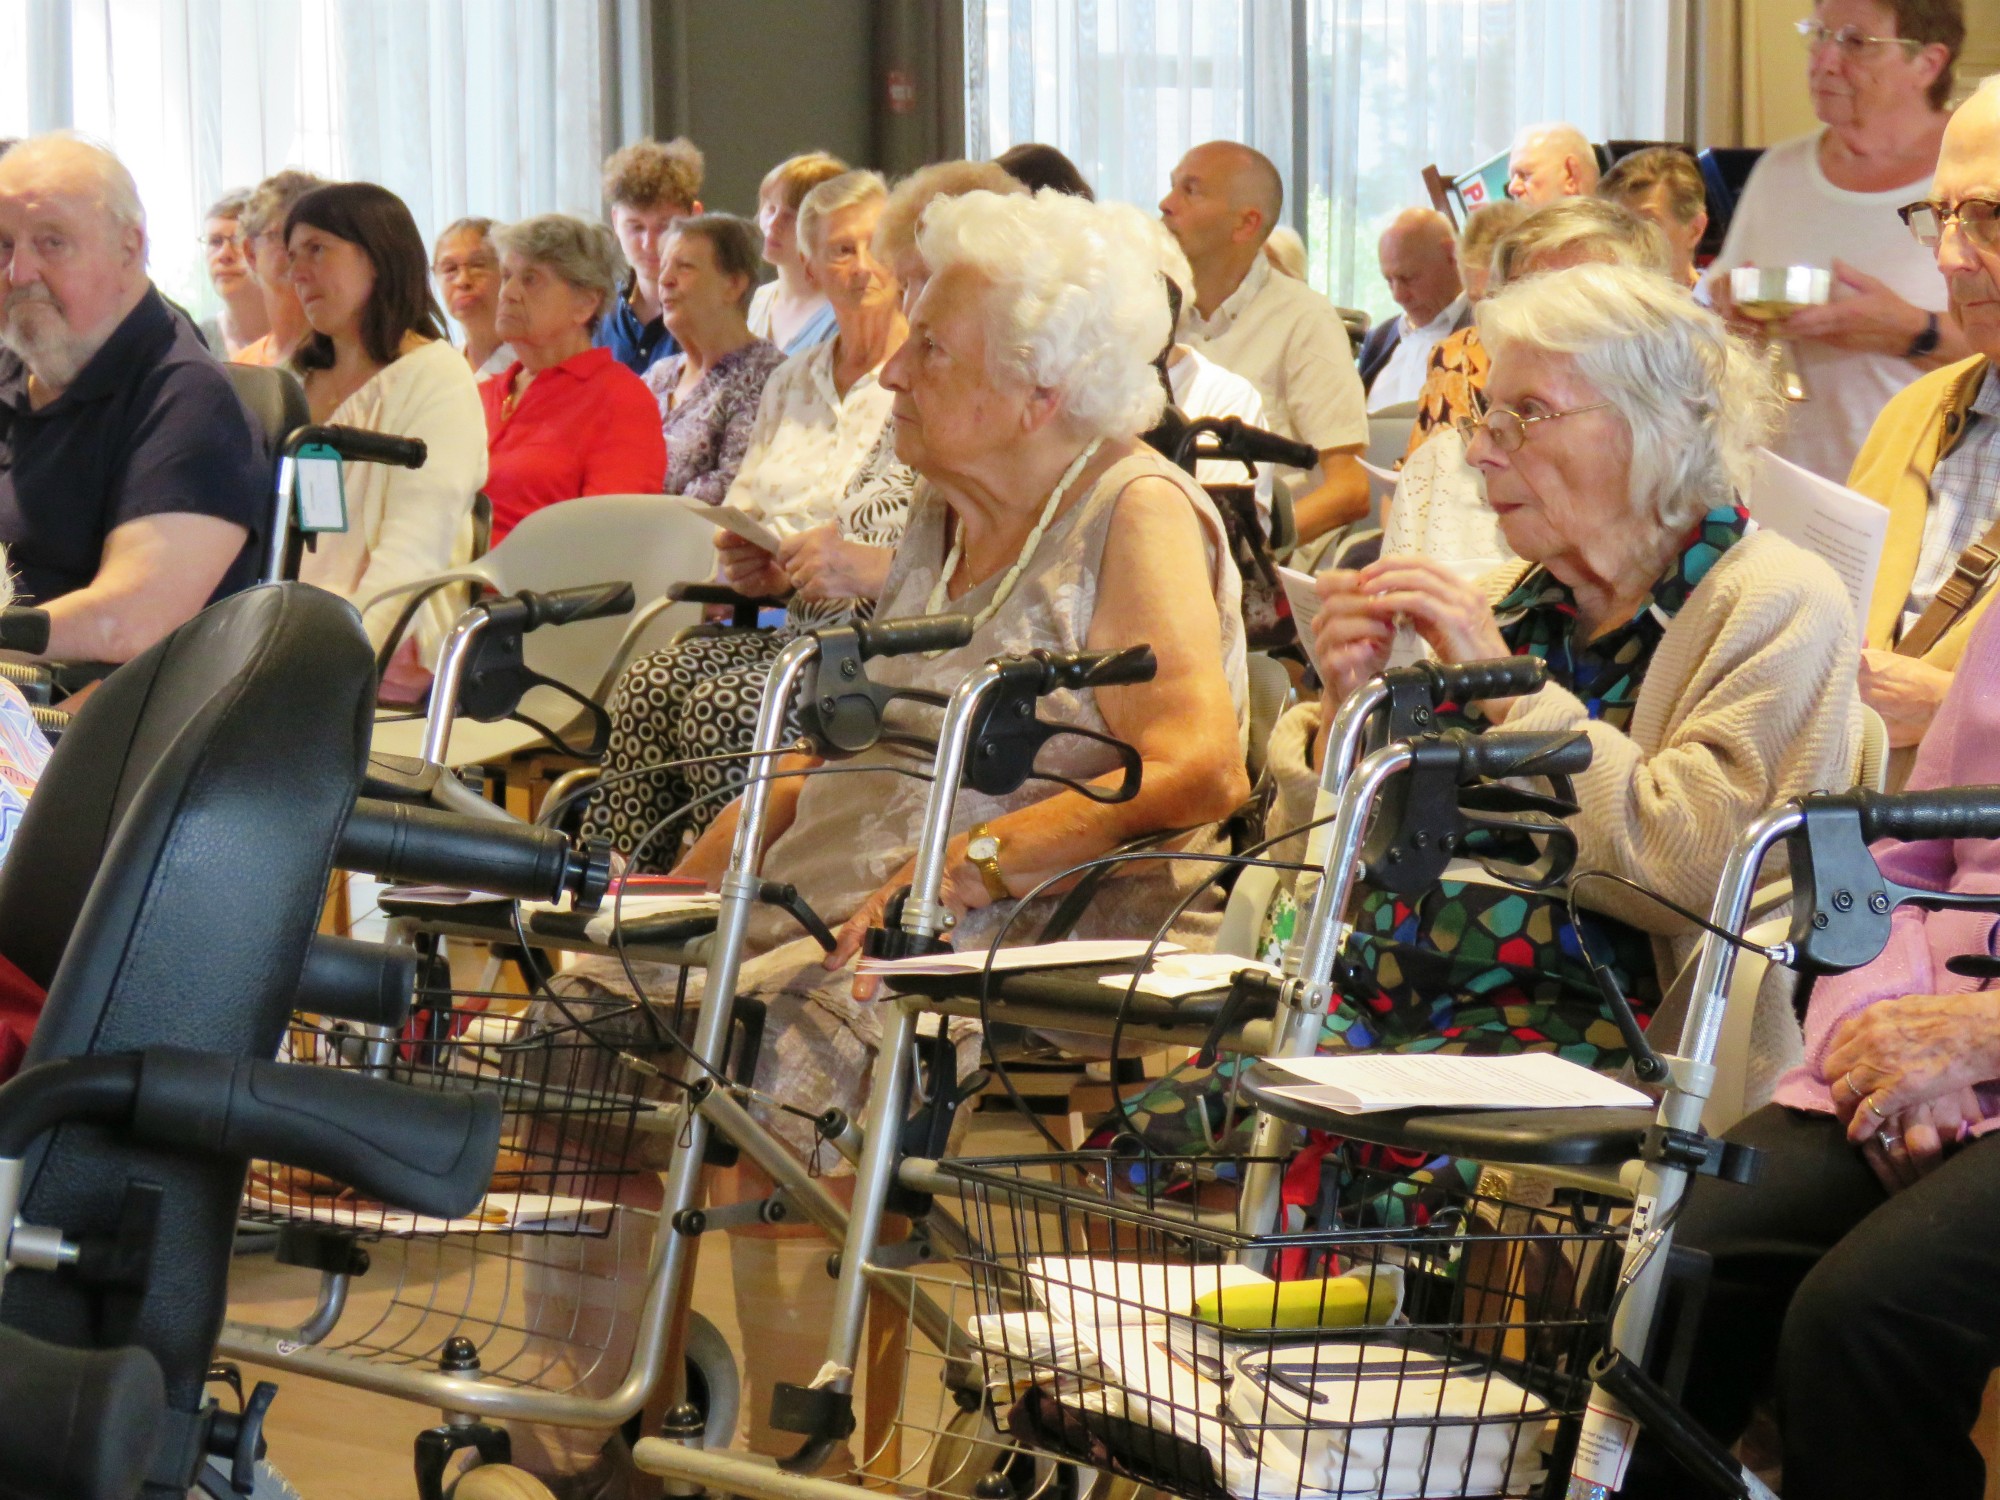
x=1521 y=1137
x=1071 y=999
x=666 y=939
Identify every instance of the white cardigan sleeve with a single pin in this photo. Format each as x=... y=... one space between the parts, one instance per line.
x=424 y=511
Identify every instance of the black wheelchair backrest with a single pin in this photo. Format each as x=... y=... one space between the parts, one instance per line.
x=167 y=880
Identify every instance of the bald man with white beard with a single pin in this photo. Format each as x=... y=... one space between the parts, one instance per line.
x=132 y=485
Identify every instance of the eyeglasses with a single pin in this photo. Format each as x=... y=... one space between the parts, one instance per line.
x=1978 y=219
x=1509 y=429
x=214 y=243
x=1854 y=43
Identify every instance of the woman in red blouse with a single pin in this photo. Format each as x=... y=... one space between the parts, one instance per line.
x=565 y=419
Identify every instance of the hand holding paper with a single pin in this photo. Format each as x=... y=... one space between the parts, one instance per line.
x=733 y=520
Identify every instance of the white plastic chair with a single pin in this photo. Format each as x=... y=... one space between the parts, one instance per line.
x=645 y=540
x=1389 y=433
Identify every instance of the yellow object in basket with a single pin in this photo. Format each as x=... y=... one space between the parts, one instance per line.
x=1337 y=1302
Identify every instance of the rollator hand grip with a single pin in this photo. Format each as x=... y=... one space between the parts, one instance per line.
x=1468 y=682
x=24 y=629
x=366 y=983
x=358 y=445
x=77 y=1424
x=903 y=637
x=1238 y=440
x=1496 y=755
x=399 y=841
x=594 y=601
x=1084 y=669
x=1959 y=812
x=420 y=1149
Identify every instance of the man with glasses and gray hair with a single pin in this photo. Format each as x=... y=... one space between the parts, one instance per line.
x=1933 y=456
x=1880 y=73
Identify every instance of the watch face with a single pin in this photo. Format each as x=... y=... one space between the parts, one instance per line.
x=986 y=846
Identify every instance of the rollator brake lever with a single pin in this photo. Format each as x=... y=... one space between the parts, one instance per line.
x=1253 y=995
x=840 y=706
x=1974 y=966
x=890 y=941
x=786 y=898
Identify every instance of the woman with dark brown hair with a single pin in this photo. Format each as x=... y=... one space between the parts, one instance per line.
x=377 y=358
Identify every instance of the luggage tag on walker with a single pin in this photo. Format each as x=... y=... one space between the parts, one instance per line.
x=319 y=496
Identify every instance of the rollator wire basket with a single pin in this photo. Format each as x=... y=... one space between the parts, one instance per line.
x=569 y=1110
x=1435 y=1345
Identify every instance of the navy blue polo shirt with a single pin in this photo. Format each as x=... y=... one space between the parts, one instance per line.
x=635 y=345
x=150 y=426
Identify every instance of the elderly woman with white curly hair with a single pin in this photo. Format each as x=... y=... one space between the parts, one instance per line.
x=1708 y=661
x=1019 y=398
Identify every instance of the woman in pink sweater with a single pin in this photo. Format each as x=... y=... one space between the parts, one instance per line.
x=1859 y=1278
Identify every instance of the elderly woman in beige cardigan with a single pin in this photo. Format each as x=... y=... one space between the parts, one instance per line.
x=1710 y=663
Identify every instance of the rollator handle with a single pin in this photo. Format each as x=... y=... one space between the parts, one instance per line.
x=1959 y=812
x=77 y=1424
x=1086 y=669
x=24 y=629
x=424 y=1150
x=399 y=841
x=904 y=637
x=358 y=445
x=1497 y=755
x=1236 y=440
x=528 y=611
x=1468 y=682
x=367 y=983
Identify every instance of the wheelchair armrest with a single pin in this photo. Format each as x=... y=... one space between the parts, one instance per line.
x=743 y=608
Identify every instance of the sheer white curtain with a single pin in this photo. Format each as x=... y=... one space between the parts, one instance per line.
x=1383 y=88
x=495 y=107
x=1124 y=87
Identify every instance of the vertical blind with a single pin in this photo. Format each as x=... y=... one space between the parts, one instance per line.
x=1350 y=98
x=494 y=107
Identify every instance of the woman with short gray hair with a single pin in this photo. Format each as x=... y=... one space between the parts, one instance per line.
x=565 y=419
x=1711 y=665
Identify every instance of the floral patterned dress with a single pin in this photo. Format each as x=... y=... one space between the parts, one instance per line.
x=1470 y=967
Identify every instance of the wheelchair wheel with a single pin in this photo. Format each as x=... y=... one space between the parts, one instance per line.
x=971 y=1448
x=712 y=1382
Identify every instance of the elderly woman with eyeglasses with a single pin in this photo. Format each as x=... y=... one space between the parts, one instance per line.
x=1880 y=73
x=1710 y=663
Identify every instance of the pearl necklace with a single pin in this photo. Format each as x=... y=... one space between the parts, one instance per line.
x=1034 y=540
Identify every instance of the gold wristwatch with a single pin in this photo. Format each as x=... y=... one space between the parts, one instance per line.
x=983 y=853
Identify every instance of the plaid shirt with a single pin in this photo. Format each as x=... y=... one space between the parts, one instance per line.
x=1965 y=498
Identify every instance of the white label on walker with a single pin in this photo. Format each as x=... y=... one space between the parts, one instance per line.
x=1604 y=1447
x=322 y=500
x=1642 y=1222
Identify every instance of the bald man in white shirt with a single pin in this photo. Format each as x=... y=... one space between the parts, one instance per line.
x=1277 y=333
